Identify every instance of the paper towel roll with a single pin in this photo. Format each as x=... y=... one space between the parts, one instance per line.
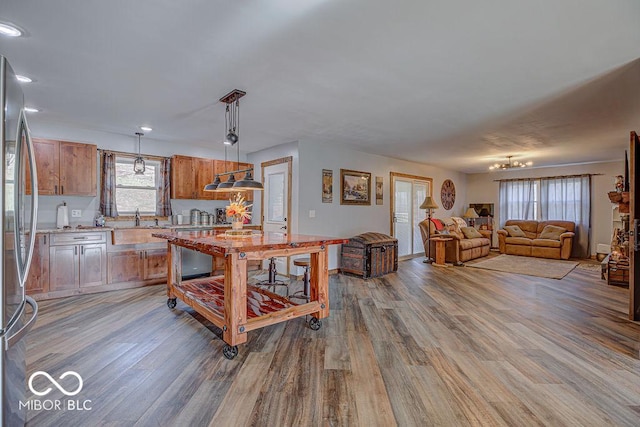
x=62 y=220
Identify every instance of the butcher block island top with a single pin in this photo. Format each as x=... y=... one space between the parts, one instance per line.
x=216 y=242
x=228 y=301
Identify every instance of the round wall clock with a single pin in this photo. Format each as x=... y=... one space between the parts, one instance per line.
x=448 y=194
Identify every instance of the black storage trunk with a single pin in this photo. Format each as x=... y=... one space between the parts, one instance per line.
x=370 y=255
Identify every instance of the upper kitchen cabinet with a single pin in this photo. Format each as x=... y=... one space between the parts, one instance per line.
x=204 y=176
x=65 y=168
x=182 y=177
x=189 y=175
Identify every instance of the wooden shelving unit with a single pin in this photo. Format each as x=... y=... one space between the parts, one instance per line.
x=616 y=264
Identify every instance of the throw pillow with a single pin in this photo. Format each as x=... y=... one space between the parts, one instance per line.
x=551 y=232
x=470 y=232
x=459 y=221
x=514 y=231
x=438 y=224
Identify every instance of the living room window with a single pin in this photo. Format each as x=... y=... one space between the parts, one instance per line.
x=519 y=199
x=566 y=198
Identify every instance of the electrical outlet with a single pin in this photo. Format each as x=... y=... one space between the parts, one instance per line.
x=312 y=213
x=76 y=213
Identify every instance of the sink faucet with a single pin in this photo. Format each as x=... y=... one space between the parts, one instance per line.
x=156 y=220
x=137 y=217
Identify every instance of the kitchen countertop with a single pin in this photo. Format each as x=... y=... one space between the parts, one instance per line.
x=84 y=229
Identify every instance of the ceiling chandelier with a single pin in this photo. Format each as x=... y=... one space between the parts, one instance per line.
x=510 y=164
x=232 y=137
x=138 y=163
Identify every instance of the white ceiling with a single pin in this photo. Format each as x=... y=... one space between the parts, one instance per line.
x=460 y=84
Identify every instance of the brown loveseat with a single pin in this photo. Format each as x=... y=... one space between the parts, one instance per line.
x=533 y=244
x=460 y=248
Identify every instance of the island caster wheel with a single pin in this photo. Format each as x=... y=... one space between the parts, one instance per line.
x=315 y=324
x=230 y=352
x=171 y=302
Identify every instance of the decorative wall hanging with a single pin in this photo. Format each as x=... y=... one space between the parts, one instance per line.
x=448 y=194
x=379 y=190
x=355 y=187
x=327 y=186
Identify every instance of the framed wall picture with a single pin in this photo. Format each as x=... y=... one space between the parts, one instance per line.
x=355 y=187
x=327 y=186
x=379 y=190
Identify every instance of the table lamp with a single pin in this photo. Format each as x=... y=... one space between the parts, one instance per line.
x=471 y=215
x=429 y=204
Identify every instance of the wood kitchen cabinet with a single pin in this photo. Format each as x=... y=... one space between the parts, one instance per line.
x=124 y=266
x=77 y=260
x=182 y=177
x=135 y=265
x=189 y=175
x=204 y=175
x=65 y=168
x=38 y=277
x=155 y=264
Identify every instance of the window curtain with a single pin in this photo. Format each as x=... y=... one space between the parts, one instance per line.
x=517 y=200
x=569 y=199
x=163 y=204
x=108 y=185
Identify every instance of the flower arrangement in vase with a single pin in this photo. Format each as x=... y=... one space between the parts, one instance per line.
x=238 y=210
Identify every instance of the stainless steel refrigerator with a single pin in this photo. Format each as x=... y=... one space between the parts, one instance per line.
x=18 y=221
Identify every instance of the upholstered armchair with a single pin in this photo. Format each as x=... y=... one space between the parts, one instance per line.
x=459 y=249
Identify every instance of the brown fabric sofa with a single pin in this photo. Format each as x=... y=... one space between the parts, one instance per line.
x=532 y=244
x=459 y=249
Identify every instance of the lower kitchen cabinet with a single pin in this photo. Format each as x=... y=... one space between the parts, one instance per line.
x=155 y=264
x=93 y=265
x=124 y=266
x=38 y=278
x=79 y=265
x=136 y=265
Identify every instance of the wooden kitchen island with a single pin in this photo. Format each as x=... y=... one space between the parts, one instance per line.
x=228 y=301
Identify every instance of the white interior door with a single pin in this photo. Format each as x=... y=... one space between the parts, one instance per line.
x=276 y=205
x=408 y=195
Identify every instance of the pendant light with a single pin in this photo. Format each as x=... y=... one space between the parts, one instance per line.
x=232 y=137
x=138 y=163
x=232 y=120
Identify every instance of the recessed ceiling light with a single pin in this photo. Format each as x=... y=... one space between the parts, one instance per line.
x=23 y=79
x=146 y=128
x=9 y=30
x=31 y=110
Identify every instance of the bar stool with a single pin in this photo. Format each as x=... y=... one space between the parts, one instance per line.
x=272 y=282
x=306 y=263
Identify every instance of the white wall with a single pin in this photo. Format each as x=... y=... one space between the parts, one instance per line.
x=334 y=219
x=483 y=188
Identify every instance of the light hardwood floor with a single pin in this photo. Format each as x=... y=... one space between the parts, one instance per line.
x=424 y=346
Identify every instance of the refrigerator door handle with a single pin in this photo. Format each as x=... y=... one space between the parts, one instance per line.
x=23 y=269
x=11 y=340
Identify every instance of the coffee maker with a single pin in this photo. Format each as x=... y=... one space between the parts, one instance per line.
x=221 y=216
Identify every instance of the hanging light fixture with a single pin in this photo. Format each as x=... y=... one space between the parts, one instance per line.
x=510 y=165
x=232 y=137
x=138 y=163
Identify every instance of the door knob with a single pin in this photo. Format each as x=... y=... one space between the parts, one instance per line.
x=284 y=227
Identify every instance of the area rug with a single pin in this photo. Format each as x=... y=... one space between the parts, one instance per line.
x=529 y=266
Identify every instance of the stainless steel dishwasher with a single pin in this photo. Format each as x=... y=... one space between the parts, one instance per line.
x=194 y=263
